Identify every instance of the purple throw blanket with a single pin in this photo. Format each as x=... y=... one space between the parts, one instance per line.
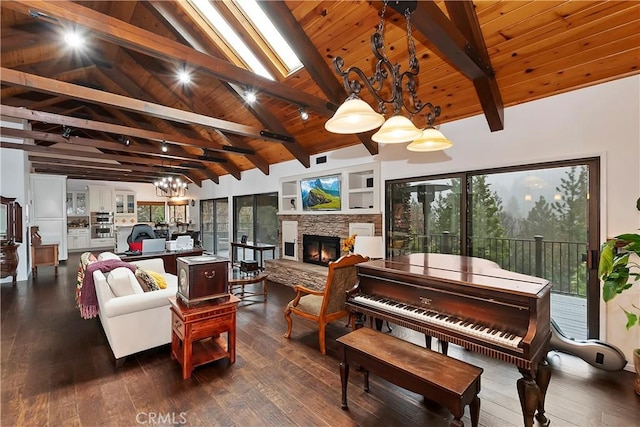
x=88 y=300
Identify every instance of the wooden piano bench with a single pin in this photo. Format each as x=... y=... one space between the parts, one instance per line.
x=452 y=383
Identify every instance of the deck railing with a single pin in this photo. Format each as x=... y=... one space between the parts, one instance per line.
x=562 y=263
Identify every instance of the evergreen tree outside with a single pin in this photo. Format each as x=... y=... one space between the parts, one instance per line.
x=486 y=229
x=571 y=214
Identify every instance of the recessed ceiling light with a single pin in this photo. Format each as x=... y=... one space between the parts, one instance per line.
x=250 y=97
x=184 y=77
x=74 y=39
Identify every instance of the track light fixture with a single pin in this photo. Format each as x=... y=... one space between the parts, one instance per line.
x=66 y=131
x=355 y=115
x=124 y=140
x=304 y=115
x=164 y=147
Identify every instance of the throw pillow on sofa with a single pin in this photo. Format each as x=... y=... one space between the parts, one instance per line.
x=123 y=282
x=146 y=282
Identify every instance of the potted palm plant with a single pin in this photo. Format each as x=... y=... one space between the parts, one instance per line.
x=619 y=270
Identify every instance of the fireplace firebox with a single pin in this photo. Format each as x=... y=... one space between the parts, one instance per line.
x=320 y=249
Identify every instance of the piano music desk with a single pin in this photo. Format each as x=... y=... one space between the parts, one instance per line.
x=450 y=382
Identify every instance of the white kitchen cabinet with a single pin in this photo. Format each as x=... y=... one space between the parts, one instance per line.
x=78 y=239
x=77 y=203
x=100 y=198
x=125 y=208
x=106 y=243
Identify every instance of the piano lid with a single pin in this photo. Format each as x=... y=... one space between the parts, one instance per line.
x=468 y=271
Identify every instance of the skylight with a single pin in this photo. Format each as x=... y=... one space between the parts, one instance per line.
x=264 y=26
x=224 y=30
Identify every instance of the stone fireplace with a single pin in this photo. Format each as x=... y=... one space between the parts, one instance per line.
x=320 y=249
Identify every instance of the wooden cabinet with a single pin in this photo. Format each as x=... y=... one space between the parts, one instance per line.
x=44 y=255
x=100 y=198
x=9 y=260
x=77 y=203
x=125 y=208
x=202 y=278
x=196 y=332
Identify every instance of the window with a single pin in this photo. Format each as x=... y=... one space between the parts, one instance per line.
x=259 y=48
x=214 y=225
x=151 y=212
x=540 y=220
x=255 y=216
x=178 y=213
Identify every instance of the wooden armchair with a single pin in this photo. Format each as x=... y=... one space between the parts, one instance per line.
x=328 y=305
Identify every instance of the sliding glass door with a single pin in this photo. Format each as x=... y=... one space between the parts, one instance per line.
x=540 y=220
x=214 y=224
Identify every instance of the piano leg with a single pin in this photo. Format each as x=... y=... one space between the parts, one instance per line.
x=532 y=393
x=528 y=392
x=427 y=340
x=444 y=345
x=543 y=378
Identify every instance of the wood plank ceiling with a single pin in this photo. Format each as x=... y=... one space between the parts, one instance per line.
x=475 y=58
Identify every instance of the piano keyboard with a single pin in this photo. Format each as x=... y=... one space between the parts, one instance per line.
x=465 y=327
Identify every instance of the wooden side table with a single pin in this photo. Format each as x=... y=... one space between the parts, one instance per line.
x=196 y=330
x=42 y=255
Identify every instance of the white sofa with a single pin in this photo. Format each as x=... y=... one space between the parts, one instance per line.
x=138 y=322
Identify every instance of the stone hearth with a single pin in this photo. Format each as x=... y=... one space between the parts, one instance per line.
x=291 y=273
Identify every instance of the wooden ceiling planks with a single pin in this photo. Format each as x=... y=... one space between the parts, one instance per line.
x=537 y=49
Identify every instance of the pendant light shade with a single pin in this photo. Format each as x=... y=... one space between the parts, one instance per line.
x=354 y=116
x=396 y=130
x=430 y=140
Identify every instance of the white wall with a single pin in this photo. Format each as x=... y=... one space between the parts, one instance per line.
x=602 y=120
x=14 y=182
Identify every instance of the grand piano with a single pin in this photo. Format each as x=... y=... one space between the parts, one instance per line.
x=470 y=302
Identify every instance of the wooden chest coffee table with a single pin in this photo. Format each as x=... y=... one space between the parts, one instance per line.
x=197 y=332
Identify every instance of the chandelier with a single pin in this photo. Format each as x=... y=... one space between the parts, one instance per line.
x=170 y=187
x=355 y=115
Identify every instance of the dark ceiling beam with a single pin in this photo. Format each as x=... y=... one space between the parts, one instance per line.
x=265 y=117
x=106 y=145
x=148 y=43
x=76 y=169
x=313 y=62
x=428 y=19
x=62 y=153
x=175 y=97
x=44 y=84
x=103 y=165
x=92 y=175
x=112 y=78
x=42 y=116
x=463 y=15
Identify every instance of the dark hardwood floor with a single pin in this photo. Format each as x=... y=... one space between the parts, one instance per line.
x=58 y=370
